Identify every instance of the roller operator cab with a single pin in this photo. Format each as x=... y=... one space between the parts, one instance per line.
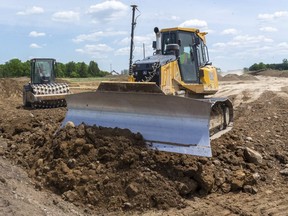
x=180 y=64
x=42 y=70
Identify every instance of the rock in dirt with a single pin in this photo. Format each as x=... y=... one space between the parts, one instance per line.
x=253 y=156
x=250 y=189
x=284 y=172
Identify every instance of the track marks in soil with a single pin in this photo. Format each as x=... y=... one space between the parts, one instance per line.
x=251 y=90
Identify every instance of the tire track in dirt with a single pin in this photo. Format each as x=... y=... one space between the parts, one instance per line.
x=250 y=90
x=269 y=202
x=264 y=203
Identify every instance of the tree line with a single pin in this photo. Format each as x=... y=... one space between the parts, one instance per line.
x=262 y=66
x=16 y=68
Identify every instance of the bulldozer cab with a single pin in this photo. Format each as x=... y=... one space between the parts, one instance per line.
x=42 y=70
x=192 y=51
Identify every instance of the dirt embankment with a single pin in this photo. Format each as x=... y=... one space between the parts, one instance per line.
x=110 y=170
x=236 y=77
x=270 y=72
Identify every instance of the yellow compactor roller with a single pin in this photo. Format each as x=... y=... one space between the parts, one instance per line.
x=164 y=98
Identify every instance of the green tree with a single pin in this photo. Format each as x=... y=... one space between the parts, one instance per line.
x=260 y=66
x=13 y=68
x=26 y=68
x=1 y=71
x=74 y=74
x=93 y=69
x=70 y=68
x=60 y=69
x=83 y=70
x=16 y=68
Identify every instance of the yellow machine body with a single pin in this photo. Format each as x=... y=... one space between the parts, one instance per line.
x=164 y=98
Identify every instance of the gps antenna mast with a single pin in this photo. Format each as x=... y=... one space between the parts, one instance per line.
x=132 y=38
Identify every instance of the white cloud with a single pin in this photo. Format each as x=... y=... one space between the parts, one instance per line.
x=108 y=11
x=164 y=16
x=219 y=45
x=283 y=45
x=33 y=10
x=258 y=50
x=35 y=46
x=122 y=51
x=137 y=52
x=66 y=16
x=174 y=18
x=272 y=16
x=268 y=29
x=98 y=49
x=244 y=41
x=194 y=23
x=36 y=34
x=138 y=40
x=97 y=35
x=230 y=31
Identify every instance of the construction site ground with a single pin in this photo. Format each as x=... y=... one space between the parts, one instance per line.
x=47 y=169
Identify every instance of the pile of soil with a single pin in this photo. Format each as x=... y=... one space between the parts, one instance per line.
x=236 y=77
x=10 y=88
x=270 y=72
x=110 y=169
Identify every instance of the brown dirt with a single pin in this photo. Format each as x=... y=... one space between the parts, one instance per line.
x=270 y=72
x=109 y=171
x=236 y=77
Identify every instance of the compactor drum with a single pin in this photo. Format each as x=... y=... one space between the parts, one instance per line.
x=43 y=91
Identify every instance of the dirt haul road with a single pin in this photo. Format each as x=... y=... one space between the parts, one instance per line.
x=98 y=171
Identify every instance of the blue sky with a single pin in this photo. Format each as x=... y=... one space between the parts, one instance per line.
x=240 y=33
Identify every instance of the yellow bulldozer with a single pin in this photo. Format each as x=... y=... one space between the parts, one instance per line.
x=165 y=98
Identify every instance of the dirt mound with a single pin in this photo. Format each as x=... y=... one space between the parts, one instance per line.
x=270 y=72
x=247 y=77
x=236 y=77
x=274 y=73
x=220 y=77
x=10 y=88
x=112 y=169
x=230 y=77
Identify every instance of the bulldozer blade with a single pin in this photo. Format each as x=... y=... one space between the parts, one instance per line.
x=167 y=123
